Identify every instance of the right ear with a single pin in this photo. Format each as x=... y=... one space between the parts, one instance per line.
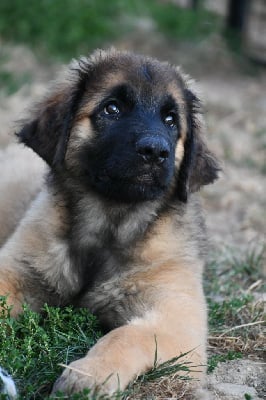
x=48 y=132
x=199 y=166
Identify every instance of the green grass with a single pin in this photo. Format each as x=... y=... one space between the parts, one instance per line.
x=11 y=83
x=217 y=358
x=33 y=346
x=183 y=23
x=235 y=317
x=67 y=28
x=231 y=271
x=222 y=314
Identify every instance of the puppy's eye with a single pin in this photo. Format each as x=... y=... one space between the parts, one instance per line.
x=170 y=120
x=111 y=109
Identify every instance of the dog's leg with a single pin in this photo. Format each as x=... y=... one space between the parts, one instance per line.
x=10 y=287
x=35 y=266
x=175 y=326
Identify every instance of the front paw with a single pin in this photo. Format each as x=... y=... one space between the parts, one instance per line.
x=86 y=373
x=74 y=379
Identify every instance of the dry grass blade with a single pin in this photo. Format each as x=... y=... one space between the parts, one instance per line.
x=74 y=369
x=242 y=326
x=222 y=344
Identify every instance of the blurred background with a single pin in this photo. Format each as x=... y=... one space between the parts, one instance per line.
x=222 y=45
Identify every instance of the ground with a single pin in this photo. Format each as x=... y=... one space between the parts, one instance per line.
x=234 y=94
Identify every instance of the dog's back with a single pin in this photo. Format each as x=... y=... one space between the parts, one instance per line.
x=21 y=178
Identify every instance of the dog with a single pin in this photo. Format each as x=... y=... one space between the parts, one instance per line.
x=117 y=226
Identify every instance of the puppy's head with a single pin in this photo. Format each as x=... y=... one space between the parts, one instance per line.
x=124 y=126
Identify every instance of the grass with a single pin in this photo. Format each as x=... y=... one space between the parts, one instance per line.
x=233 y=272
x=236 y=318
x=33 y=346
x=67 y=28
x=10 y=82
x=215 y=359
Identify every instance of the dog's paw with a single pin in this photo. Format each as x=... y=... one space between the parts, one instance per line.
x=86 y=373
x=72 y=381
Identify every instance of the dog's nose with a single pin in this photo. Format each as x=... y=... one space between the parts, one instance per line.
x=153 y=149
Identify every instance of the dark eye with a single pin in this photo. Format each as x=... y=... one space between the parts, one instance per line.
x=111 y=109
x=170 y=120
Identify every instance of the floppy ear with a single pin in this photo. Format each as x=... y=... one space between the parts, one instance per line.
x=48 y=132
x=199 y=166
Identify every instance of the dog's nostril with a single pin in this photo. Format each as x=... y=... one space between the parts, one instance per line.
x=146 y=151
x=164 y=154
x=153 y=149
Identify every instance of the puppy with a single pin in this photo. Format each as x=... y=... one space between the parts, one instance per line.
x=117 y=227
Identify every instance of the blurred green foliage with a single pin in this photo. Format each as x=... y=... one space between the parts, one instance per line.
x=68 y=28
x=9 y=82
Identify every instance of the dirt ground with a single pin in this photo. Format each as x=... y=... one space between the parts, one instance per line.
x=234 y=93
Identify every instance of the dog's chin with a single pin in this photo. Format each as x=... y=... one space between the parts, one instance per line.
x=133 y=190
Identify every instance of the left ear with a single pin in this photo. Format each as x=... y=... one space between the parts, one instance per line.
x=199 y=166
x=47 y=131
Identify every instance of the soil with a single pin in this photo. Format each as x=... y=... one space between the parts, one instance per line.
x=234 y=93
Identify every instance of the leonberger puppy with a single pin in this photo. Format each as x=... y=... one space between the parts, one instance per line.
x=117 y=226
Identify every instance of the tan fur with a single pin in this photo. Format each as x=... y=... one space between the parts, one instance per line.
x=20 y=180
x=179 y=153
x=111 y=80
x=150 y=286
x=10 y=287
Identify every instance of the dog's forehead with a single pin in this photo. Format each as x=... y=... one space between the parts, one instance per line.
x=150 y=81
x=149 y=78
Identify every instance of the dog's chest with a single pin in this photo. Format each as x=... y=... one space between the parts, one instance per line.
x=103 y=240
x=111 y=252
x=104 y=256
x=114 y=297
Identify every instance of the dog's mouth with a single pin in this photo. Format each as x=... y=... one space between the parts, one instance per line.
x=144 y=178
x=134 y=188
